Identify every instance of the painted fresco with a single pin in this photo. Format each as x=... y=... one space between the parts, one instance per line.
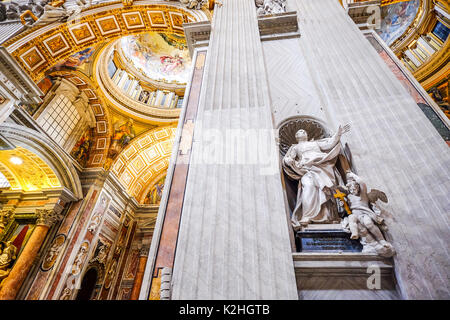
x=157 y=57
x=123 y=133
x=396 y=18
x=45 y=84
x=155 y=193
x=80 y=151
x=76 y=60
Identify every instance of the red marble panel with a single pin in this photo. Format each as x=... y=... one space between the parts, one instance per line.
x=80 y=225
x=169 y=235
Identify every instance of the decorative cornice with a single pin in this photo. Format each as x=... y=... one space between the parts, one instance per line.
x=40 y=47
x=197 y=34
x=278 y=26
x=26 y=90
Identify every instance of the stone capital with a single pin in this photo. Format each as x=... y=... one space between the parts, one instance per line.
x=143 y=252
x=47 y=217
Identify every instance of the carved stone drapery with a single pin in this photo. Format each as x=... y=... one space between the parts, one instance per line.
x=270 y=7
x=192 y=4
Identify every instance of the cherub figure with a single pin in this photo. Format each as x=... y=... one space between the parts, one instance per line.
x=7 y=257
x=365 y=219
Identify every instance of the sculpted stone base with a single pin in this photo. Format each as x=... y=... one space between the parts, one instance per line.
x=344 y=276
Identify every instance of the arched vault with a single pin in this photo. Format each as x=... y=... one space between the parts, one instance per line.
x=44 y=164
x=144 y=160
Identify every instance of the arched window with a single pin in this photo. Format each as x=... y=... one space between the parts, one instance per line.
x=66 y=114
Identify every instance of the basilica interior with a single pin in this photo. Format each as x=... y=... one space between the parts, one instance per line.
x=98 y=104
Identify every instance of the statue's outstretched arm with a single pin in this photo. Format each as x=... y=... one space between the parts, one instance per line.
x=329 y=143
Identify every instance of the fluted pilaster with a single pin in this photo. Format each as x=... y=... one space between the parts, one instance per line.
x=394 y=146
x=234 y=238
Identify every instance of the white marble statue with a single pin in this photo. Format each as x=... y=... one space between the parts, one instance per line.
x=270 y=6
x=54 y=13
x=313 y=164
x=192 y=4
x=365 y=219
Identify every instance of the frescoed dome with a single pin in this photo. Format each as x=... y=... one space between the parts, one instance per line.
x=157 y=56
x=396 y=18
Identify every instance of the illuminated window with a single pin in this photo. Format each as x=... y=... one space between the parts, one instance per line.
x=60 y=119
x=441 y=31
x=4 y=183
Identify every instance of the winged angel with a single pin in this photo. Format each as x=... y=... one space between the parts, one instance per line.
x=364 y=220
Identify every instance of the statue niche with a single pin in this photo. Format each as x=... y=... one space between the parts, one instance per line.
x=310 y=160
x=323 y=191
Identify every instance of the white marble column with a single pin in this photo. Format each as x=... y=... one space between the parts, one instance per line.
x=234 y=239
x=394 y=146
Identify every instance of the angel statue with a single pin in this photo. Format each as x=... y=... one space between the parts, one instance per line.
x=8 y=254
x=312 y=163
x=193 y=4
x=364 y=220
x=270 y=6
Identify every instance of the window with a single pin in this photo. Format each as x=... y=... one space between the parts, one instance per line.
x=441 y=31
x=180 y=102
x=4 y=183
x=60 y=119
x=163 y=100
x=111 y=68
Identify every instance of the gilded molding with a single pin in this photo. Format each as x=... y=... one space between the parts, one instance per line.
x=438 y=60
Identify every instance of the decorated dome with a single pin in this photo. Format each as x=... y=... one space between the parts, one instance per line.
x=396 y=18
x=160 y=57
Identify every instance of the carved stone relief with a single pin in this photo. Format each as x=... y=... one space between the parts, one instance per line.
x=75 y=271
x=53 y=253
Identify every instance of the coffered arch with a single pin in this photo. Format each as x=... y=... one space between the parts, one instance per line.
x=39 y=48
x=145 y=160
x=44 y=156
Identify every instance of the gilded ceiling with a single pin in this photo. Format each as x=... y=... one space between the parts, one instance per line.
x=25 y=171
x=144 y=161
x=151 y=37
